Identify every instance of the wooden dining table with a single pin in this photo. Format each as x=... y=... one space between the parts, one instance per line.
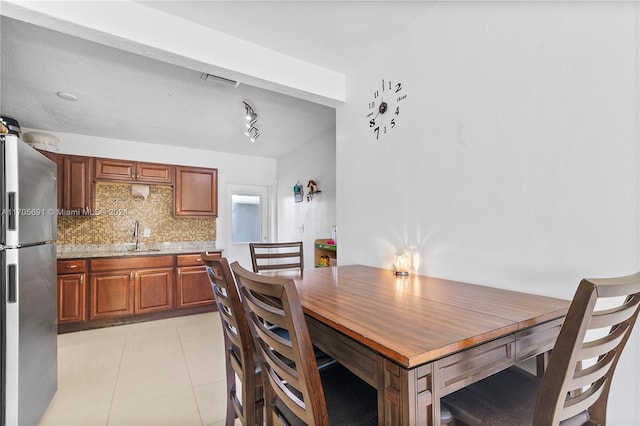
x=416 y=338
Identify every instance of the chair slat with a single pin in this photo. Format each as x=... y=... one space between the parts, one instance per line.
x=270 y=256
x=604 y=344
x=612 y=316
x=592 y=374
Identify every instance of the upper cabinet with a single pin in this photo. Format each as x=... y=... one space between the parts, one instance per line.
x=195 y=188
x=77 y=191
x=130 y=171
x=196 y=192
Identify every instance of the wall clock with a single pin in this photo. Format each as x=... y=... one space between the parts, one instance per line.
x=384 y=108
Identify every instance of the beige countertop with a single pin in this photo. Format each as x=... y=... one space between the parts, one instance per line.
x=122 y=250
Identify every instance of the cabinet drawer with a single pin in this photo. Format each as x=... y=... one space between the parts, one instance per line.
x=72 y=266
x=154 y=173
x=118 y=170
x=193 y=259
x=189 y=260
x=120 y=263
x=464 y=368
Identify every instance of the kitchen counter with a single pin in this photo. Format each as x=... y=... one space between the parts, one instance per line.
x=88 y=251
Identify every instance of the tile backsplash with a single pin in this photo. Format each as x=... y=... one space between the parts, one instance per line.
x=116 y=212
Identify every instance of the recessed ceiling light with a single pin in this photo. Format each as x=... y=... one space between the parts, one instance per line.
x=68 y=96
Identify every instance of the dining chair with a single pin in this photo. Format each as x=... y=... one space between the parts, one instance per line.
x=296 y=392
x=240 y=358
x=575 y=386
x=276 y=256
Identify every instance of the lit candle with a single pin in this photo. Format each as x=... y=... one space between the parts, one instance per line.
x=401 y=263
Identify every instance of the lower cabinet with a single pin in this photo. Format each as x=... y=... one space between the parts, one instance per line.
x=122 y=291
x=193 y=286
x=98 y=292
x=72 y=291
x=111 y=295
x=153 y=290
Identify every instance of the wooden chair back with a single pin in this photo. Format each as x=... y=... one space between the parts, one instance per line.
x=291 y=379
x=587 y=350
x=275 y=256
x=240 y=357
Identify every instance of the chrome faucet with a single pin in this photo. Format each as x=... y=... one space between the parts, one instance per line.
x=136 y=233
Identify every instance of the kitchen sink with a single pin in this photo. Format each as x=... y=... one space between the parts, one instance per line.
x=143 y=250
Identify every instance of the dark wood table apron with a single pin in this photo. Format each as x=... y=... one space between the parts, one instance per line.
x=416 y=338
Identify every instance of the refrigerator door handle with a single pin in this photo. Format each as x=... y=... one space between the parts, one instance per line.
x=12 y=291
x=11 y=211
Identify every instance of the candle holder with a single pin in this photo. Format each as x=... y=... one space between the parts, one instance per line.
x=401 y=264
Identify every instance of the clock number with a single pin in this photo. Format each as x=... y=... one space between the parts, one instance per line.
x=377 y=132
x=397 y=110
x=372 y=105
x=376 y=94
x=398 y=87
x=393 y=123
x=383 y=85
x=372 y=123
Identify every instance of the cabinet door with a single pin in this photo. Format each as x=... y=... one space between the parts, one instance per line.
x=153 y=290
x=77 y=192
x=193 y=287
x=118 y=170
x=71 y=298
x=154 y=173
x=111 y=295
x=196 y=192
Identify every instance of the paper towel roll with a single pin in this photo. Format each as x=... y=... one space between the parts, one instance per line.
x=140 y=190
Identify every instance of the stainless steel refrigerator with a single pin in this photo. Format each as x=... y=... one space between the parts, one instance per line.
x=28 y=274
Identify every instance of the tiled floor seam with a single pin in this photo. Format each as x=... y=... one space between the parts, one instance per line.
x=193 y=389
x=115 y=385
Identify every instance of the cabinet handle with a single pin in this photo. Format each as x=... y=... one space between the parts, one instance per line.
x=198 y=260
x=71 y=266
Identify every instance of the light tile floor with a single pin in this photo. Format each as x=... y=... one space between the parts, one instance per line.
x=166 y=372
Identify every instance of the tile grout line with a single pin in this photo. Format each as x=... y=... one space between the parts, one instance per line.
x=193 y=390
x=115 y=385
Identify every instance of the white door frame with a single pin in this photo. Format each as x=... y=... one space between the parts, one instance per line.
x=240 y=251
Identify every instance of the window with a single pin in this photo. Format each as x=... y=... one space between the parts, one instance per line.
x=245 y=218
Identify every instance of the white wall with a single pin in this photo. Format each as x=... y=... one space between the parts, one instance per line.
x=314 y=160
x=232 y=169
x=514 y=161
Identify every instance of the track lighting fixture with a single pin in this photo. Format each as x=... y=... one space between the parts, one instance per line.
x=255 y=135
x=252 y=118
x=250 y=114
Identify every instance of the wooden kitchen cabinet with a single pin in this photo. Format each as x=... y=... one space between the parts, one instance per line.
x=111 y=295
x=72 y=291
x=131 y=171
x=153 y=290
x=192 y=282
x=129 y=286
x=196 y=192
x=104 y=291
x=77 y=181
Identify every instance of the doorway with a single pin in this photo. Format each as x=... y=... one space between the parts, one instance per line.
x=250 y=220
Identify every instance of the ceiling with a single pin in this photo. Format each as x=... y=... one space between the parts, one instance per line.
x=126 y=96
